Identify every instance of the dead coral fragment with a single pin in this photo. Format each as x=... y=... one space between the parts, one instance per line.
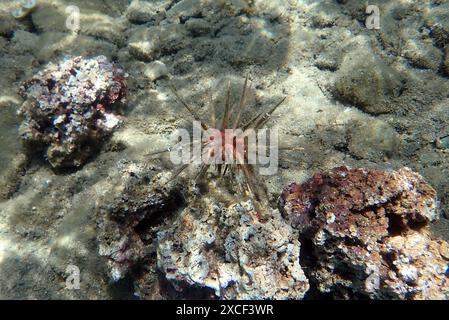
x=368 y=231
x=67 y=108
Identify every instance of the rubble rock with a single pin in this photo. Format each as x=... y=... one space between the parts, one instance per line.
x=233 y=252
x=368 y=232
x=68 y=108
x=128 y=216
x=423 y=54
x=146 y=11
x=155 y=70
x=367 y=82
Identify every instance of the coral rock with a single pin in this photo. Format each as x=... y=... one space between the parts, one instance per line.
x=68 y=108
x=202 y=250
x=368 y=232
x=231 y=251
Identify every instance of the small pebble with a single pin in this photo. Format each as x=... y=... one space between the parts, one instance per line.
x=444 y=250
x=155 y=70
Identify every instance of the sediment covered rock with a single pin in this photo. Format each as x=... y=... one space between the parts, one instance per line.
x=140 y=12
x=366 y=82
x=148 y=44
x=373 y=140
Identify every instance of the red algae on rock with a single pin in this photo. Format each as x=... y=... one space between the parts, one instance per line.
x=368 y=234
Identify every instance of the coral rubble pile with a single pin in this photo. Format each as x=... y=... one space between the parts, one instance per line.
x=368 y=234
x=68 y=108
x=349 y=233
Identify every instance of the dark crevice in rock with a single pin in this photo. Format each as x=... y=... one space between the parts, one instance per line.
x=146 y=227
x=122 y=289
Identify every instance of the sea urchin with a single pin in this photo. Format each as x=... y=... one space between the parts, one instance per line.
x=233 y=147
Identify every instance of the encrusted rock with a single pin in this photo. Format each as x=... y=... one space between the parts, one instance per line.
x=203 y=250
x=69 y=106
x=233 y=252
x=368 y=234
x=420 y=268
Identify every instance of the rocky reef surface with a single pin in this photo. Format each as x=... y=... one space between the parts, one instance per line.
x=368 y=236
x=350 y=233
x=359 y=97
x=200 y=249
x=69 y=106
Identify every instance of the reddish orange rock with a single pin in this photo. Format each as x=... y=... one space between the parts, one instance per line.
x=368 y=234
